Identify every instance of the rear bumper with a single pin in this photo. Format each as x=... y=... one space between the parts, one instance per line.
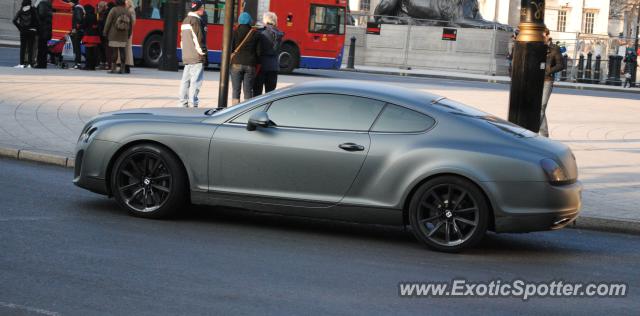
x=535 y=206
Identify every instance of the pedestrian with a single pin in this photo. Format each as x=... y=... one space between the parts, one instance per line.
x=26 y=20
x=77 y=17
x=45 y=14
x=510 y=48
x=102 y=47
x=553 y=65
x=630 y=64
x=194 y=55
x=91 y=38
x=117 y=29
x=270 y=42
x=129 y=49
x=243 y=59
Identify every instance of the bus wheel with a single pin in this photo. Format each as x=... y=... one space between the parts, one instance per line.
x=152 y=50
x=289 y=58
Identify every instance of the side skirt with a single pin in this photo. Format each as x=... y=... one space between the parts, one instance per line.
x=349 y=213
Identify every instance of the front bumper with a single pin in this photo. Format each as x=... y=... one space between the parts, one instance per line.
x=91 y=163
x=534 y=206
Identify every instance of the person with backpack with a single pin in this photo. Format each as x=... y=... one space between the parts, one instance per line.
x=26 y=20
x=45 y=15
x=194 y=55
x=77 y=18
x=91 y=38
x=270 y=42
x=243 y=59
x=117 y=29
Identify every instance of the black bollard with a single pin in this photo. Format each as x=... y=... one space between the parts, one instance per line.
x=563 y=75
x=587 y=70
x=580 y=76
x=617 y=65
x=352 y=54
x=596 y=71
x=610 y=69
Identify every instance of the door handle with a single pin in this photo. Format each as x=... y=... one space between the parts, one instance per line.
x=351 y=147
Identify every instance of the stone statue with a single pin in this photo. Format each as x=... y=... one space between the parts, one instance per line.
x=462 y=13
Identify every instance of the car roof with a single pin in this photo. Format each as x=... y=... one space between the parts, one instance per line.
x=374 y=90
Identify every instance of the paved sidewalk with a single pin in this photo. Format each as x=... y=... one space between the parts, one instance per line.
x=43 y=111
x=479 y=77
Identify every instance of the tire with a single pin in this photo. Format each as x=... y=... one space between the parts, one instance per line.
x=152 y=51
x=158 y=190
x=449 y=214
x=289 y=58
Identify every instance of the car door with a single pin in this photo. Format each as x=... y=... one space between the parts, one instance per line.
x=313 y=153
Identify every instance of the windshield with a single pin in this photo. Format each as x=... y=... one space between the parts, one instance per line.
x=457 y=108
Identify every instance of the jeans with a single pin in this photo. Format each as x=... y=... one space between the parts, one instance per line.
x=192 y=77
x=27 y=39
x=266 y=79
x=546 y=93
x=242 y=77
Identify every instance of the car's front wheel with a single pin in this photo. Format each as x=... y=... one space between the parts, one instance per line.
x=149 y=181
x=449 y=214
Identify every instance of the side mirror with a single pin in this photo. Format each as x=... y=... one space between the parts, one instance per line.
x=258 y=119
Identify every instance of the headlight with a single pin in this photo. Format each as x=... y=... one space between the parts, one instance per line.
x=554 y=173
x=86 y=133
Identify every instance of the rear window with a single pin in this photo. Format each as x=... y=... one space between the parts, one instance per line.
x=457 y=108
x=396 y=119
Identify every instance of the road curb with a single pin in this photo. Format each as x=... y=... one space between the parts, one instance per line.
x=582 y=222
x=29 y=155
x=607 y=225
x=496 y=80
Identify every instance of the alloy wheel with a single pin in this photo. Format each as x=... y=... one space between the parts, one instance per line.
x=144 y=181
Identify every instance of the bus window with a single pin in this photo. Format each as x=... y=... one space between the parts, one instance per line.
x=326 y=19
x=149 y=9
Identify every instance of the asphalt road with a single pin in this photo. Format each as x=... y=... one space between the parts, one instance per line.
x=67 y=251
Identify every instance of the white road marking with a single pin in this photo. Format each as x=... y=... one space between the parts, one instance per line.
x=29 y=309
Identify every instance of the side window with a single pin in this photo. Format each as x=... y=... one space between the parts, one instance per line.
x=244 y=118
x=326 y=19
x=325 y=111
x=397 y=119
x=149 y=9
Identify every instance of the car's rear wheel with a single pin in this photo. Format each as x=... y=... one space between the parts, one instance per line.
x=148 y=181
x=449 y=214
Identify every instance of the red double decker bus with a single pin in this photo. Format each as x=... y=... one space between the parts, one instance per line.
x=314 y=29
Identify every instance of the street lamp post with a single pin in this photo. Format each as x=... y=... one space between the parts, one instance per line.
x=169 y=59
x=529 y=58
x=223 y=91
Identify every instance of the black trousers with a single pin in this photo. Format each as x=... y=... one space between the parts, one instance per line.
x=115 y=51
x=91 y=57
x=27 y=40
x=75 y=40
x=266 y=80
x=42 y=52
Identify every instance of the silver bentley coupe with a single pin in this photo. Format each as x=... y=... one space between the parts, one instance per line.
x=342 y=150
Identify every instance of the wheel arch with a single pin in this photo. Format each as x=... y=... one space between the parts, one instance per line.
x=409 y=196
x=128 y=145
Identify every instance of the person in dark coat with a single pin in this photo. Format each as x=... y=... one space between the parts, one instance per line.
x=270 y=42
x=26 y=20
x=554 y=64
x=77 y=16
x=243 y=59
x=45 y=15
x=91 y=38
x=102 y=11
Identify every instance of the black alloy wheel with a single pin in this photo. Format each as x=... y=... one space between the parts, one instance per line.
x=449 y=214
x=148 y=181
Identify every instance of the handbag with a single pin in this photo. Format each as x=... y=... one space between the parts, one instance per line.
x=67 y=50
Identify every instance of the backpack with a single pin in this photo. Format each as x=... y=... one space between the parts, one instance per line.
x=123 y=22
x=25 y=19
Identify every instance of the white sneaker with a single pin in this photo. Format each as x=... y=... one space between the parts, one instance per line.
x=18 y=66
x=28 y=66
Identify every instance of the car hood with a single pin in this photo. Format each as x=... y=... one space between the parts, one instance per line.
x=155 y=114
